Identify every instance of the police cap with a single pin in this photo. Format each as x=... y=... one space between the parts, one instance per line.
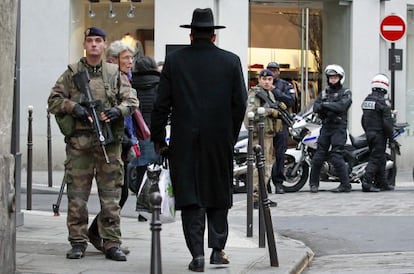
x=273 y=65
x=265 y=73
x=94 y=31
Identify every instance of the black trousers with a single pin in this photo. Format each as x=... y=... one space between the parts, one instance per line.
x=375 y=170
x=335 y=137
x=280 y=144
x=194 y=219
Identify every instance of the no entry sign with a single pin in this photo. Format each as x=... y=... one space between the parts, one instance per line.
x=393 y=28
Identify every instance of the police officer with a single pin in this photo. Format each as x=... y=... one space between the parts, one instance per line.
x=272 y=126
x=84 y=155
x=332 y=106
x=285 y=94
x=378 y=126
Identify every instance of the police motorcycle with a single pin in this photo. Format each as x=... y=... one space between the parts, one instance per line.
x=240 y=163
x=305 y=132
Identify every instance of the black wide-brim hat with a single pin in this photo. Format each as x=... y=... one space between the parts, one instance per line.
x=202 y=19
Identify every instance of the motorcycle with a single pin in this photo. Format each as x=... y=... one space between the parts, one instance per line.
x=305 y=132
x=240 y=163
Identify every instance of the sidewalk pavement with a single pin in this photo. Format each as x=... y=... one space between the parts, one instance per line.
x=41 y=246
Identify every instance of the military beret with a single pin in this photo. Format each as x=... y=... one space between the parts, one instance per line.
x=93 y=31
x=266 y=72
x=273 y=65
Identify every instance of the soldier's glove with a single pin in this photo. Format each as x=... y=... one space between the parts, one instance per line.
x=272 y=112
x=113 y=113
x=282 y=106
x=81 y=113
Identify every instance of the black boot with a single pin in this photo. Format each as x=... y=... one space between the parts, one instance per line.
x=115 y=253
x=367 y=186
x=314 y=189
x=76 y=252
x=342 y=188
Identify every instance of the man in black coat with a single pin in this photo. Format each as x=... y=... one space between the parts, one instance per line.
x=203 y=88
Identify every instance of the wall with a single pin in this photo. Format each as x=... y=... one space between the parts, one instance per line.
x=45 y=32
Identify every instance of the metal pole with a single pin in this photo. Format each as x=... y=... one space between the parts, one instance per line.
x=49 y=151
x=392 y=76
x=249 y=177
x=156 y=267
x=261 y=111
x=29 y=161
x=264 y=205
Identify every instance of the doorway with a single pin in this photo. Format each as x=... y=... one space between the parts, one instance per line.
x=289 y=33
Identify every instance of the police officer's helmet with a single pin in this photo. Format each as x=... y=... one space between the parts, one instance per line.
x=332 y=70
x=380 y=82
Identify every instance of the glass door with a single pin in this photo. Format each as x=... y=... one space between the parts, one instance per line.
x=289 y=33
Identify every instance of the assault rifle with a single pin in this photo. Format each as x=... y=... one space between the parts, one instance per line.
x=81 y=79
x=283 y=114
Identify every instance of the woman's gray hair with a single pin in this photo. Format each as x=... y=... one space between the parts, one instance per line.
x=116 y=47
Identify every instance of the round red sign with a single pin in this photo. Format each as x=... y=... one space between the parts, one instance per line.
x=393 y=27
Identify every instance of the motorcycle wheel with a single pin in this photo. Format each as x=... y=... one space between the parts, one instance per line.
x=295 y=182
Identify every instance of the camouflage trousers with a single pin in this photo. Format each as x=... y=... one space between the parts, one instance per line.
x=81 y=167
x=268 y=155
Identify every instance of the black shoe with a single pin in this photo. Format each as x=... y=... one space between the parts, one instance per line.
x=218 y=257
x=115 y=253
x=96 y=241
x=197 y=264
x=314 y=189
x=272 y=204
x=141 y=218
x=341 y=188
x=370 y=188
x=76 y=252
x=279 y=189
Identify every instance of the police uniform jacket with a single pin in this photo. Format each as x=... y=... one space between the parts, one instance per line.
x=203 y=88
x=332 y=107
x=284 y=92
x=377 y=114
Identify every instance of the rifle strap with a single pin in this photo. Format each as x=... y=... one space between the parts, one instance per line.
x=264 y=97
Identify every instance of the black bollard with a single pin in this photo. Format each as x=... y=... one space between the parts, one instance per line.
x=249 y=177
x=264 y=205
x=29 y=160
x=156 y=267
x=49 y=151
x=261 y=111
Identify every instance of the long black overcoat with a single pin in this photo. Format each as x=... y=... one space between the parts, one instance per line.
x=203 y=88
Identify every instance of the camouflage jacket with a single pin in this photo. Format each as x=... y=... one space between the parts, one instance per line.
x=107 y=85
x=271 y=125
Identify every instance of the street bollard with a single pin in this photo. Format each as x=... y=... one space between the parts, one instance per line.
x=261 y=111
x=264 y=205
x=156 y=266
x=29 y=160
x=249 y=177
x=49 y=151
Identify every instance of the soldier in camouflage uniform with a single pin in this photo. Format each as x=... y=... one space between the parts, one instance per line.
x=85 y=159
x=272 y=125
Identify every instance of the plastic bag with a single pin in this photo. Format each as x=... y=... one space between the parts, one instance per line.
x=156 y=179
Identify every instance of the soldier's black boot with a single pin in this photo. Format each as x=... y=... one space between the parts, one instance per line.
x=76 y=252
x=115 y=253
